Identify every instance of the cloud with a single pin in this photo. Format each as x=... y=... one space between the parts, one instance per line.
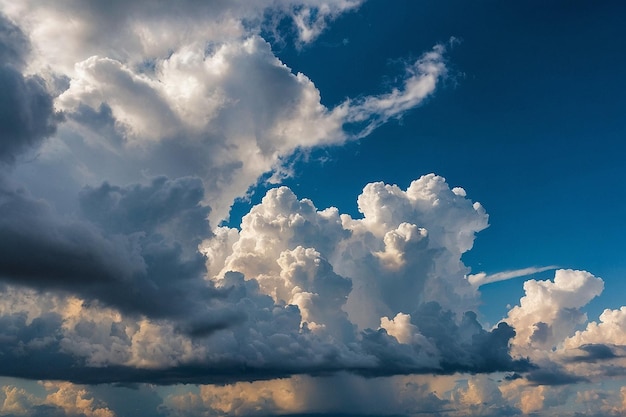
x=550 y=310
x=62 y=399
x=193 y=92
x=611 y=329
x=594 y=352
x=404 y=252
x=548 y=322
x=130 y=31
x=276 y=306
x=420 y=81
x=41 y=249
x=14 y=45
x=553 y=376
x=482 y=278
x=129 y=255
x=26 y=107
x=393 y=252
x=216 y=113
x=311 y=21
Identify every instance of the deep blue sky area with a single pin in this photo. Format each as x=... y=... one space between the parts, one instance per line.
x=530 y=121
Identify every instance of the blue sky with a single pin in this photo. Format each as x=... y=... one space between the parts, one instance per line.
x=298 y=207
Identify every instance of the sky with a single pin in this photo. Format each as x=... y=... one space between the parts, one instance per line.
x=312 y=207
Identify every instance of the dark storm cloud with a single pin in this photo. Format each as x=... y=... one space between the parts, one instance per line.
x=270 y=345
x=553 y=375
x=596 y=352
x=26 y=111
x=41 y=250
x=169 y=207
x=13 y=43
x=101 y=121
x=467 y=347
x=464 y=347
x=129 y=257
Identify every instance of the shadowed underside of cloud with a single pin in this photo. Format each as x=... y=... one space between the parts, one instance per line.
x=76 y=342
x=137 y=262
x=596 y=352
x=66 y=369
x=26 y=107
x=554 y=376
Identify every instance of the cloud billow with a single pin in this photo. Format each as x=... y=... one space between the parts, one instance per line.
x=273 y=308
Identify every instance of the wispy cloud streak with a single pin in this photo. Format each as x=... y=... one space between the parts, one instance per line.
x=483 y=278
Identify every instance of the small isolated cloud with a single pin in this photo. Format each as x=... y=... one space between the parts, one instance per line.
x=611 y=328
x=483 y=278
x=548 y=324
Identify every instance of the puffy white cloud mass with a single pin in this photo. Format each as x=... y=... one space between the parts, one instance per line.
x=193 y=88
x=552 y=330
x=404 y=252
x=114 y=282
x=551 y=310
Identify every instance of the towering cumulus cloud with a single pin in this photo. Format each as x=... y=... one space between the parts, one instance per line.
x=397 y=270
